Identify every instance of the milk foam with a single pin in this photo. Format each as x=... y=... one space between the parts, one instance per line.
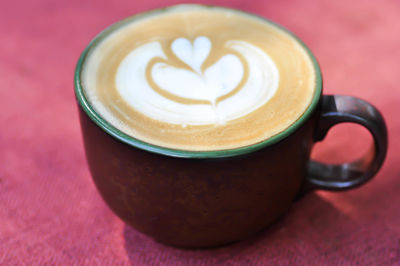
x=198 y=78
x=215 y=95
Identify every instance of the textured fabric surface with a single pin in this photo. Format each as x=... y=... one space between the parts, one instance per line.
x=50 y=211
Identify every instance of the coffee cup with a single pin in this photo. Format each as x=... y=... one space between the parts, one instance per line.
x=198 y=123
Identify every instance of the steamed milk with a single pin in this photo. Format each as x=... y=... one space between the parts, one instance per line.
x=199 y=78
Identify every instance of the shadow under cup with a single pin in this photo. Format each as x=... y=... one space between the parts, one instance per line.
x=210 y=198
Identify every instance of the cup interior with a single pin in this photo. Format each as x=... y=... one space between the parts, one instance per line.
x=118 y=134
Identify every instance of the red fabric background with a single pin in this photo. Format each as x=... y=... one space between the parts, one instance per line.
x=50 y=211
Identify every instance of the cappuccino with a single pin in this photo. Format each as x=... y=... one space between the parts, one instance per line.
x=198 y=78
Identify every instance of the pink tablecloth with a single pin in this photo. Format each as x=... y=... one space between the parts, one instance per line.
x=50 y=211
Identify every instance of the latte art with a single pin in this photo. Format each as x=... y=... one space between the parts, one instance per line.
x=198 y=78
x=193 y=95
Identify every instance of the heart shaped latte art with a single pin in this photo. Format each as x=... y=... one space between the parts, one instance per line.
x=217 y=80
x=194 y=54
x=204 y=85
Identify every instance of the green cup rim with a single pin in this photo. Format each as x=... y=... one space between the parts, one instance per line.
x=223 y=153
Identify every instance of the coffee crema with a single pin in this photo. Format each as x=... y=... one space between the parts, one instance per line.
x=199 y=78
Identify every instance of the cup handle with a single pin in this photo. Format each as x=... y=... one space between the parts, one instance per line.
x=337 y=109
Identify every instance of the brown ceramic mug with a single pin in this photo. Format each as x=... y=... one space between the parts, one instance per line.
x=209 y=198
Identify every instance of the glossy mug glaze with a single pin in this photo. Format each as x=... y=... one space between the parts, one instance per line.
x=208 y=198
